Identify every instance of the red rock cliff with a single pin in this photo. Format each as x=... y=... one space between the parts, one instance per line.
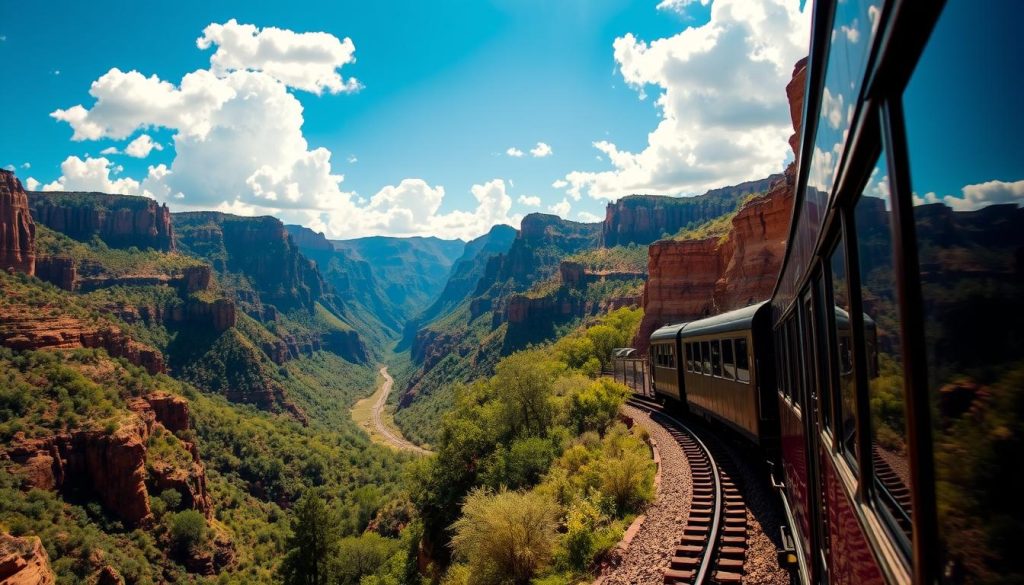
x=121 y=221
x=23 y=561
x=691 y=279
x=17 y=231
x=115 y=465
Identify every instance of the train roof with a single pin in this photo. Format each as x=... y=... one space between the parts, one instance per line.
x=668 y=332
x=737 y=320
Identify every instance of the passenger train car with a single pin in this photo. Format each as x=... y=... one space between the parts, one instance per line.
x=891 y=353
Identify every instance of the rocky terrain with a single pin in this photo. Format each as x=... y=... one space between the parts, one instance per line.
x=23 y=561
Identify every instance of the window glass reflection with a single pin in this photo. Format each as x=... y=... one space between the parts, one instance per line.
x=964 y=127
x=889 y=457
x=843 y=342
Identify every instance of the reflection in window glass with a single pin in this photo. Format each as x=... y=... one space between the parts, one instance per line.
x=705 y=352
x=794 y=359
x=689 y=357
x=843 y=342
x=728 y=363
x=697 y=358
x=967 y=176
x=742 y=361
x=716 y=359
x=889 y=455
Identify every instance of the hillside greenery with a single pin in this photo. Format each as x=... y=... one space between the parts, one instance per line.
x=534 y=447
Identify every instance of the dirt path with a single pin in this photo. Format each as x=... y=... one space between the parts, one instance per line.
x=370 y=415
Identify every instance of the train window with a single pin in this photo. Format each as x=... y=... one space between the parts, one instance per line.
x=846 y=397
x=882 y=349
x=705 y=353
x=728 y=362
x=689 y=356
x=742 y=361
x=716 y=358
x=794 y=359
x=696 y=358
x=967 y=177
x=823 y=394
x=783 y=361
x=671 y=356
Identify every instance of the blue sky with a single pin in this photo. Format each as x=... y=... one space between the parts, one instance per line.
x=445 y=89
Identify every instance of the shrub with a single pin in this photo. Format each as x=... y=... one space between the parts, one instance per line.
x=188 y=530
x=506 y=536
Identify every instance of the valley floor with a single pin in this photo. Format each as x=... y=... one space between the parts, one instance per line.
x=371 y=415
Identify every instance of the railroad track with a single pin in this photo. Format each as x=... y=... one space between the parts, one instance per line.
x=713 y=545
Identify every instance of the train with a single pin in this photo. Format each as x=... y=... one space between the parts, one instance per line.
x=884 y=377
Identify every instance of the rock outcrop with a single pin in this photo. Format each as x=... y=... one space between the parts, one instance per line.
x=110 y=465
x=121 y=221
x=691 y=279
x=114 y=466
x=25 y=328
x=23 y=561
x=642 y=219
x=17 y=230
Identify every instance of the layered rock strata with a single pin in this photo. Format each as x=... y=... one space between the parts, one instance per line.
x=17 y=230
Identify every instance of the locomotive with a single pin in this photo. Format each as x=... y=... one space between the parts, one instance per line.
x=885 y=375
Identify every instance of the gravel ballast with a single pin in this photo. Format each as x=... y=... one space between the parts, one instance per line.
x=649 y=551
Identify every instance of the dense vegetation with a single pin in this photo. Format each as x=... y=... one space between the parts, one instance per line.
x=533 y=476
x=629 y=258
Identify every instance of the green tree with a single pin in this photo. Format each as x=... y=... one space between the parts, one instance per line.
x=188 y=530
x=313 y=543
x=507 y=535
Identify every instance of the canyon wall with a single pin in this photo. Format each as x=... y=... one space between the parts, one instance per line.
x=121 y=221
x=691 y=279
x=17 y=230
x=114 y=464
x=26 y=328
x=642 y=219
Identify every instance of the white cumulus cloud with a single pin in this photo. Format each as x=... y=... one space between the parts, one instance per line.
x=513 y=151
x=531 y=200
x=979 y=195
x=541 y=150
x=239 y=145
x=724 y=112
x=588 y=217
x=142 y=146
x=307 y=61
x=561 y=208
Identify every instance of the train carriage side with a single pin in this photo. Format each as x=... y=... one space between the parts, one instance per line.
x=726 y=375
x=664 y=355
x=897 y=313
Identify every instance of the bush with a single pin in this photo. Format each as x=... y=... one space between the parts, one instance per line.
x=506 y=536
x=188 y=530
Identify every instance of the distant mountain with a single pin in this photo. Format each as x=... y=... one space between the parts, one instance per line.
x=361 y=294
x=411 y=271
x=469 y=269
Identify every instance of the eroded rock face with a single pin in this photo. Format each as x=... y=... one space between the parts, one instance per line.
x=121 y=221
x=17 y=230
x=114 y=465
x=111 y=465
x=642 y=219
x=24 y=328
x=692 y=279
x=23 y=561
